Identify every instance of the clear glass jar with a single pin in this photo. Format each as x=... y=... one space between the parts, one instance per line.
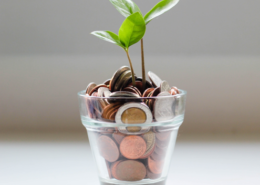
x=132 y=139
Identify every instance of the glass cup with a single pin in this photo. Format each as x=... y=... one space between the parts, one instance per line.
x=132 y=139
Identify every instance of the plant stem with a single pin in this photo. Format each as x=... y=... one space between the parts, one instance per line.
x=131 y=66
x=143 y=65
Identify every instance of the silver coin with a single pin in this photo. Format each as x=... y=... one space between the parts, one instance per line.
x=90 y=87
x=164 y=86
x=163 y=107
x=156 y=80
x=141 y=106
x=101 y=91
x=106 y=94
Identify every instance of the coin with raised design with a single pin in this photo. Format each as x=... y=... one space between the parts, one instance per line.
x=149 y=138
x=163 y=107
x=133 y=113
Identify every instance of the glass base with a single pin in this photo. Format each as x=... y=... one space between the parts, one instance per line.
x=160 y=181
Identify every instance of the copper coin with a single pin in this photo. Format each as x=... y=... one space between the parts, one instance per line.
x=155 y=166
x=151 y=175
x=162 y=136
x=108 y=148
x=138 y=85
x=108 y=108
x=106 y=82
x=147 y=92
x=96 y=88
x=133 y=90
x=116 y=76
x=114 y=167
x=118 y=136
x=130 y=170
x=147 y=85
x=133 y=147
x=173 y=92
x=112 y=116
x=90 y=87
x=176 y=89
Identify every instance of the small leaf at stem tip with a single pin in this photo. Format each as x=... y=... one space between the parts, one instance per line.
x=126 y=7
x=132 y=30
x=160 y=8
x=109 y=37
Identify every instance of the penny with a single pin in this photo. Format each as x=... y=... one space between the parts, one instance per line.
x=147 y=92
x=106 y=82
x=96 y=88
x=147 y=84
x=108 y=148
x=108 y=108
x=116 y=76
x=118 y=137
x=112 y=116
x=114 y=167
x=156 y=81
x=163 y=107
x=90 y=87
x=151 y=175
x=155 y=167
x=164 y=86
x=138 y=85
x=130 y=170
x=133 y=90
x=173 y=92
x=176 y=89
x=133 y=147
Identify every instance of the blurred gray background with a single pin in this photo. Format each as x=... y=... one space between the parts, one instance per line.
x=209 y=48
x=47 y=55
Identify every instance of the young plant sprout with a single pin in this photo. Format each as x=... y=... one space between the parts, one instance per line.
x=133 y=28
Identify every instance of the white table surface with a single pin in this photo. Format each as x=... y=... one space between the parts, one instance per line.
x=199 y=160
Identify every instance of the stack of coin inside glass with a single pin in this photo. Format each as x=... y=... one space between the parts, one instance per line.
x=137 y=152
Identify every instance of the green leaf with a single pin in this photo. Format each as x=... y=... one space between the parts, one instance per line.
x=126 y=7
x=132 y=30
x=162 y=7
x=108 y=36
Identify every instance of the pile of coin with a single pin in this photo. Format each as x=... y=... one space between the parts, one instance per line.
x=133 y=157
x=119 y=90
x=132 y=153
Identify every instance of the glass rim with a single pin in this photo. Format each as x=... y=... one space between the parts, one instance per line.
x=83 y=94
